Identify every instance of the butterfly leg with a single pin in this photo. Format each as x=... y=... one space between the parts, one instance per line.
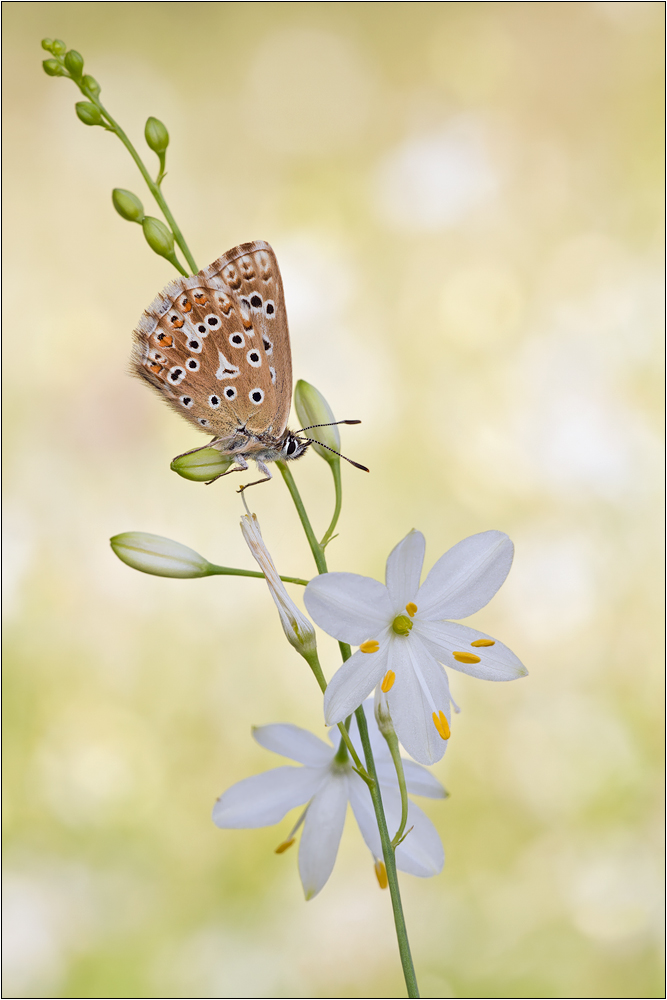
x=241 y=466
x=264 y=470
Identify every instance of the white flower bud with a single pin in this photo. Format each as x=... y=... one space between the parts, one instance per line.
x=158 y=556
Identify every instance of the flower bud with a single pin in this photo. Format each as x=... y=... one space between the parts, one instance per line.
x=157 y=136
x=88 y=113
x=158 y=556
x=52 y=67
x=74 y=63
x=201 y=466
x=58 y=47
x=312 y=408
x=159 y=238
x=47 y=44
x=127 y=205
x=382 y=715
x=91 y=84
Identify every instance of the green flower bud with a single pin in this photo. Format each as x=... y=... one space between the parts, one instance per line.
x=159 y=238
x=74 y=63
x=157 y=136
x=91 y=84
x=58 y=47
x=158 y=556
x=127 y=205
x=52 y=67
x=312 y=408
x=88 y=113
x=47 y=43
x=201 y=466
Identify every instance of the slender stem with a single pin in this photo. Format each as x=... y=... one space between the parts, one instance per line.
x=392 y=743
x=231 y=571
x=335 y=469
x=373 y=785
x=313 y=662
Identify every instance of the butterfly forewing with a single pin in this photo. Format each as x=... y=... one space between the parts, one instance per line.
x=216 y=345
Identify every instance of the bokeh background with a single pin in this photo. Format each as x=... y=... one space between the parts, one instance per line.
x=465 y=200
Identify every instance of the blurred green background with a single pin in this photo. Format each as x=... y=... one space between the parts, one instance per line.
x=465 y=200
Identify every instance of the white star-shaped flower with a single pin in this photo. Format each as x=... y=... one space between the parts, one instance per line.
x=404 y=634
x=326 y=782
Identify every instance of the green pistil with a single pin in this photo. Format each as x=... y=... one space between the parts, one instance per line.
x=402 y=625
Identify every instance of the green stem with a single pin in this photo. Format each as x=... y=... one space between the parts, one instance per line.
x=335 y=469
x=231 y=571
x=313 y=662
x=374 y=787
x=392 y=743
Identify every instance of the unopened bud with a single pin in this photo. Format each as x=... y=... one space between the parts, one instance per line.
x=159 y=556
x=127 y=205
x=382 y=714
x=52 y=67
x=156 y=134
x=312 y=408
x=159 y=238
x=88 y=113
x=47 y=44
x=74 y=63
x=201 y=466
x=91 y=85
x=58 y=47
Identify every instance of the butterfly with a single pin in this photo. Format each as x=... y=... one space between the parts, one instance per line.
x=215 y=346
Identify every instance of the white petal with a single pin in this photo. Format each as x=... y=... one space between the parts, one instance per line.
x=466 y=577
x=349 y=607
x=322 y=831
x=294 y=742
x=404 y=567
x=496 y=663
x=354 y=681
x=418 y=780
x=411 y=706
x=264 y=799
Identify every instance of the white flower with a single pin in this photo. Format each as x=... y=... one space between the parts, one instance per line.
x=403 y=634
x=299 y=631
x=327 y=785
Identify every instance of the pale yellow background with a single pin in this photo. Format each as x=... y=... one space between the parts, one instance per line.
x=465 y=202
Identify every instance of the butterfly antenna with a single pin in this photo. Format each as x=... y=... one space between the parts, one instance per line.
x=355 y=464
x=334 y=424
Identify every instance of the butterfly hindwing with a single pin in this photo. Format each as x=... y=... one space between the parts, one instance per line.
x=216 y=345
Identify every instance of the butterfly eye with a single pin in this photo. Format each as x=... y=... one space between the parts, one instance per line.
x=272 y=372
x=254 y=358
x=291 y=447
x=186 y=401
x=268 y=346
x=214 y=402
x=195 y=345
x=237 y=340
x=256 y=301
x=212 y=321
x=269 y=308
x=256 y=396
x=176 y=375
x=230 y=392
x=192 y=364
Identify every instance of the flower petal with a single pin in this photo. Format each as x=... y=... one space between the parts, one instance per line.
x=496 y=662
x=322 y=830
x=264 y=799
x=420 y=688
x=418 y=780
x=349 y=607
x=294 y=742
x=404 y=567
x=354 y=681
x=466 y=577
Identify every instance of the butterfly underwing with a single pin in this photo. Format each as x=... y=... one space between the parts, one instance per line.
x=215 y=346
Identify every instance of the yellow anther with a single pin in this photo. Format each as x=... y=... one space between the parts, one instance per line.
x=441 y=724
x=463 y=657
x=401 y=625
x=370 y=646
x=281 y=848
x=483 y=642
x=381 y=874
x=388 y=681
x=411 y=609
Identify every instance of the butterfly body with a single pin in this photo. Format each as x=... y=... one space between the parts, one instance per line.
x=215 y=346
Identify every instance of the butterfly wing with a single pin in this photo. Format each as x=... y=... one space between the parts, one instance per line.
x=216 y=345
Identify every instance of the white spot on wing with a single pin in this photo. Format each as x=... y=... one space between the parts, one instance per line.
x=225 y=369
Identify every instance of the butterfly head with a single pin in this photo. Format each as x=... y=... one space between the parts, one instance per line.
x=292 y=446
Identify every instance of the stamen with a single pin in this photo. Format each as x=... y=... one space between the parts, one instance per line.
x=411 y=609
x=370 y=646
x=402 y=625
x=483 y=642
x=381 y=874
x=441 y=724
x=281 y=848
x=464 y=657
x=388 y=682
